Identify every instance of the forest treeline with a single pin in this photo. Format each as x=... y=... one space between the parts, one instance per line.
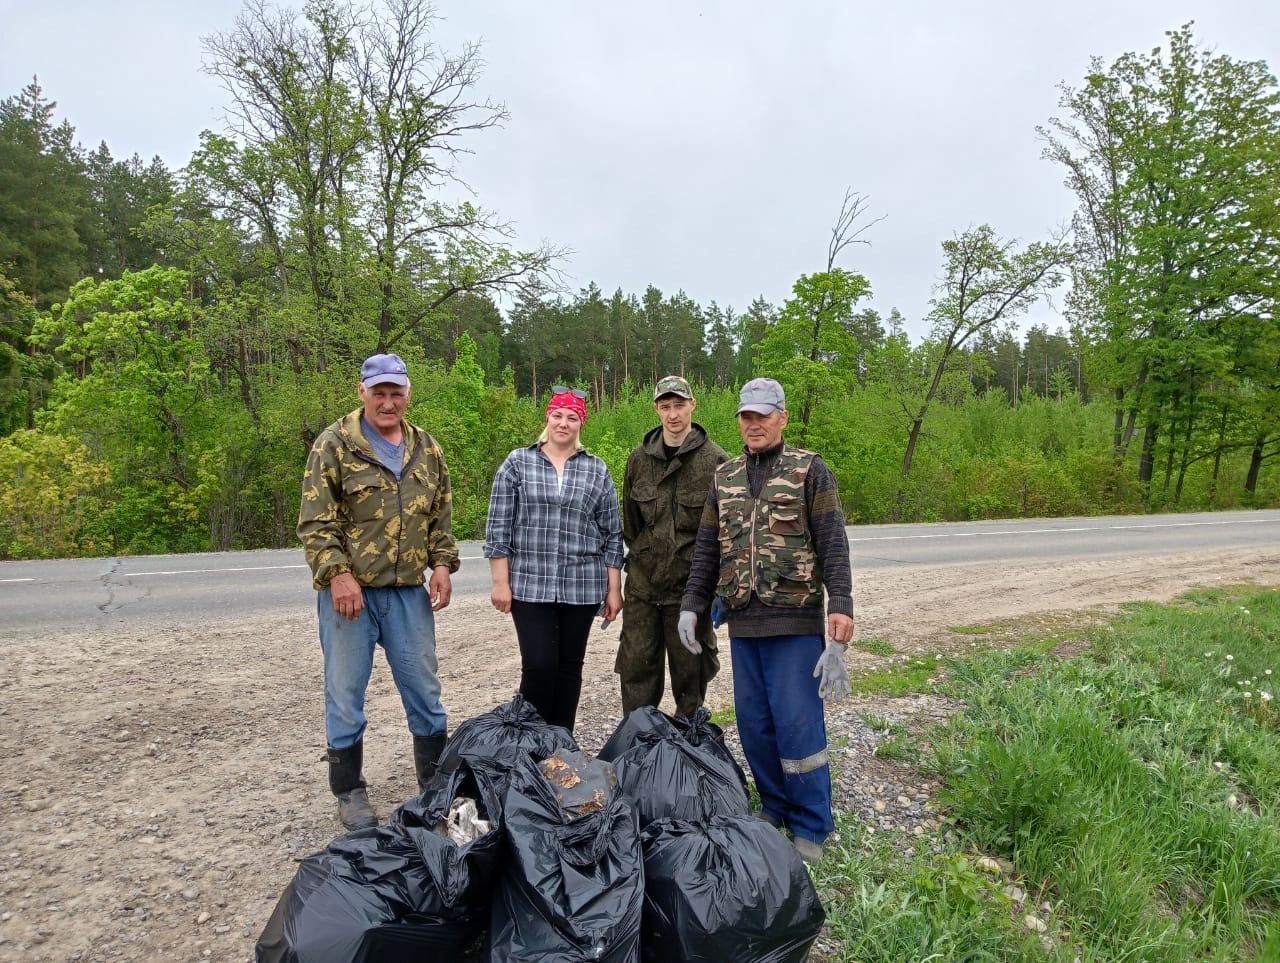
x=172 y=340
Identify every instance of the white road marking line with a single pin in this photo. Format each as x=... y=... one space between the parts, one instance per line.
x=1043 y=531
x=247 y=568
x=867 y=538
x=205 y=571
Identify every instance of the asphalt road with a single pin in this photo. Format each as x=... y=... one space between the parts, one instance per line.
x=38 y=596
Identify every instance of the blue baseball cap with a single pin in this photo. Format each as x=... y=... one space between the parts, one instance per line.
x=381 y=369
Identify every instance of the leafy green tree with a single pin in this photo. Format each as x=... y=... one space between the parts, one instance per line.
x=137 y=394
x=752 y=326
x=1175 y=158
x=721 y=349
x=867 y=328
x=986 y=282
x=51 y=494
x=347 y=123
x=123 y=193
x=44 y=196
x=811 y=347
x=623 y=322
x=24 y=375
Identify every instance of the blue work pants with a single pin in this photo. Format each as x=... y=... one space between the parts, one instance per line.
x=401 y=621
x=783 y=731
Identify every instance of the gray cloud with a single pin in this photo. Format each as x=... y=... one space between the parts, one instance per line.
x=697 y=146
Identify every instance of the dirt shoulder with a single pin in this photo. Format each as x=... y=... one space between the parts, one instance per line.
x=163 y=780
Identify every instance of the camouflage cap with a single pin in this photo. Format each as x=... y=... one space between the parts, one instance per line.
x=672 y=385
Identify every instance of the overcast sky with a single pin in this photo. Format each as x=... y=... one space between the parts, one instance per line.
x=703 y=146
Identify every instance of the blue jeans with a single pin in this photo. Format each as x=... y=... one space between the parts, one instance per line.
x=401 y=621
x=783 y=730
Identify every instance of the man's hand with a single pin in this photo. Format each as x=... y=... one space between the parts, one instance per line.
x=685 y=627
x=348 y=599
x=439 y=588
x=832 y=674
x=719 y=612
x=839 y=628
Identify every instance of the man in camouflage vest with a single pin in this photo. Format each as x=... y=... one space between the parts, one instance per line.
x=663 y=492
x=376 y=518
x=770 y=540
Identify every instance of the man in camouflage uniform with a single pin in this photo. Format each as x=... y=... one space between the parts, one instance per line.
x=771 y=539
x=375 y=519
x=663 y=492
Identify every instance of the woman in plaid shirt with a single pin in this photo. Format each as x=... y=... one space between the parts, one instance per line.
x=554 y=544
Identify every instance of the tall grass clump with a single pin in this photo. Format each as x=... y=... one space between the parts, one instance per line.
x=1139 y=784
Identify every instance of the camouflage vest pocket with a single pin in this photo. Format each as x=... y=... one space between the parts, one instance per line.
x=786 y=516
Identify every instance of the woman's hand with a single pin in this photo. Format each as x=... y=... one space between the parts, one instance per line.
x=501 y=597
x=612 y=604
x=500 y=572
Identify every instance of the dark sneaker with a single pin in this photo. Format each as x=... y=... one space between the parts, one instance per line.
x=355 y=810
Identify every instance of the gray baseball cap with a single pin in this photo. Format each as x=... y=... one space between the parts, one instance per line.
x=764 y=396
x=381 y=369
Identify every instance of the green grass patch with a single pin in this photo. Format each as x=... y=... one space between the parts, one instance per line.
x=1136 y=787
x=883 y=907
x=724 y=716
x=880 y=723
x=986 y=629
x=874 y=646
x=897 y=745
x=912 y=675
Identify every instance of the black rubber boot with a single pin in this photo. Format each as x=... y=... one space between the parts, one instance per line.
x=354 y=809
x=426 y=753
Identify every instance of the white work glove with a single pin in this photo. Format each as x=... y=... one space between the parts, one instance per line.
x=688 y=622
x=832 y=674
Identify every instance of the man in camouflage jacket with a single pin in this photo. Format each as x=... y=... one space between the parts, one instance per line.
x=376 y=518
x=663 y=492
x=770 y=542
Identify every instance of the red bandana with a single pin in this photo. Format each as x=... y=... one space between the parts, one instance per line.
x=568 y=400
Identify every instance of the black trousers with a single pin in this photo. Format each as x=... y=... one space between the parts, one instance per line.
x=553 y=644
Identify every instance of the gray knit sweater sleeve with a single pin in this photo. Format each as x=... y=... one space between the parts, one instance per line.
x=704 y=571
x=826 y=529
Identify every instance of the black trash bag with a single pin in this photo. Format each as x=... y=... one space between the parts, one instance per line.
x=665 y=777
x=495 y=741
x=390 y=893
x=731 y=888
x=643 y=722
x=581 y=785
x=571 y=888
x=698 y=730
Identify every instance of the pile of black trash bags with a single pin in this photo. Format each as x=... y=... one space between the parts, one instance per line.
x=646 y=852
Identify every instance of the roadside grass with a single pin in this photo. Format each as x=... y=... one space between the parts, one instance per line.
x=874 y=645
x=1134 y=788
x=724 y=715
x=910 y=676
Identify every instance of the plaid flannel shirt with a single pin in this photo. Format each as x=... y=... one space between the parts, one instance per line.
x=559 y=539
